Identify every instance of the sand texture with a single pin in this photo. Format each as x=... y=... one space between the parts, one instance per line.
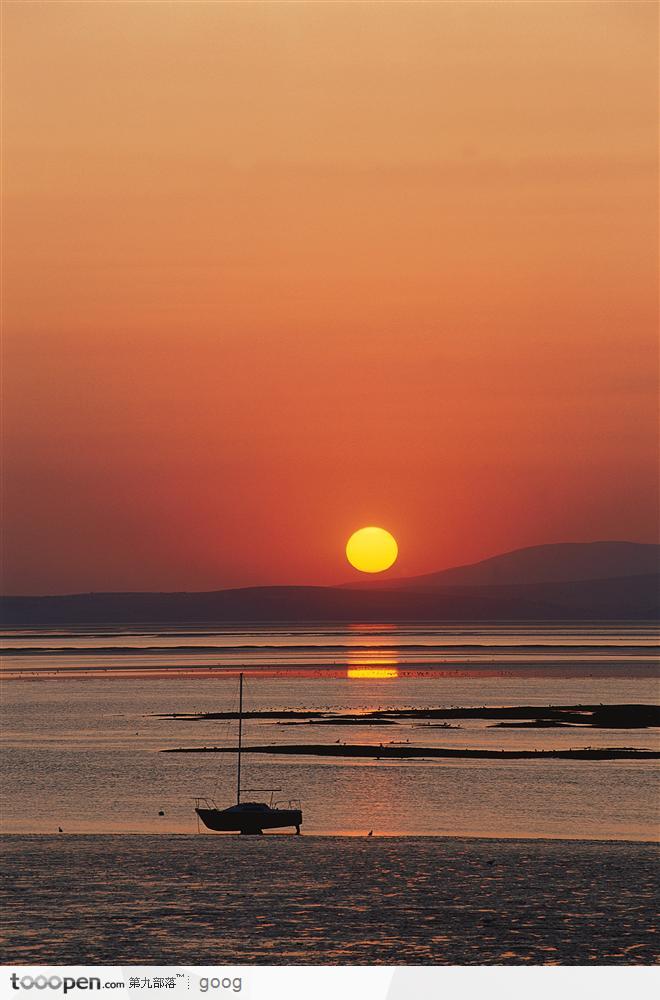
x=326 y=900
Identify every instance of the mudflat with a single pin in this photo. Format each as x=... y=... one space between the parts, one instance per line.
x=179 y=899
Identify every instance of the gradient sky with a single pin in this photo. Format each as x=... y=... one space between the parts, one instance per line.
x=276 y=271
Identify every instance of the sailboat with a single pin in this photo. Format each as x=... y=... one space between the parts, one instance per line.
x=248 y=817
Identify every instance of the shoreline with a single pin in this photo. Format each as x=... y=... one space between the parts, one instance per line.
x=344 y=835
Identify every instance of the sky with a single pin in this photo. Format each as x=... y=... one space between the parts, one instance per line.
x=276 y=271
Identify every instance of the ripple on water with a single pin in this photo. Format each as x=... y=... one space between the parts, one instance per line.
x=312 y=900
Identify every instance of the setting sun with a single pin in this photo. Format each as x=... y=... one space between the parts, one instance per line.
x=371 y=550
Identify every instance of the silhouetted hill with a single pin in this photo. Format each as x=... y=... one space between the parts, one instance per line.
x=634 y=597
x=539 y=564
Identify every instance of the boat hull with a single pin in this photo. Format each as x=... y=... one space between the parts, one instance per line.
x=249 y=820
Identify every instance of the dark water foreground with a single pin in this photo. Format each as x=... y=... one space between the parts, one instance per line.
x=176 y=900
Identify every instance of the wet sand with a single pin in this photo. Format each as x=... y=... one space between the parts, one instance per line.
x=121 y=899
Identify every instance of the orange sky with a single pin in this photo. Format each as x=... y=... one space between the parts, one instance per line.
x=275 y=271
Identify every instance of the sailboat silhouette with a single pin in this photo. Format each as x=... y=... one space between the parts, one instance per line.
x=248 y=817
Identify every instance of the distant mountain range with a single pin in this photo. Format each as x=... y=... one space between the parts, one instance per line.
x=556 y=563
x=574 y=581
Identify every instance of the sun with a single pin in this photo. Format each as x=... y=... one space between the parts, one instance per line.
x=371 y=550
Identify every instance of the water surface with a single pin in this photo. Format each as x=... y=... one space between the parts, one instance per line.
x=84 y=718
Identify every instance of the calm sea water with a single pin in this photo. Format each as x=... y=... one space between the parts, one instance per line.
x=81 y=728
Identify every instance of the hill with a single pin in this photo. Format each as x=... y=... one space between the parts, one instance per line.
x=634 y=597
x=560 y=562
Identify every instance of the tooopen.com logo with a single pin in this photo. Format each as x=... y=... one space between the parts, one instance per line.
x=64 y=983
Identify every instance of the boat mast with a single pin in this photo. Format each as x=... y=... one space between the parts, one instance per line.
x=240 y=736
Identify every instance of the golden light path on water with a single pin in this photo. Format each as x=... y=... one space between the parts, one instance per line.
x=372 y=673
x=376 y=664
x=372 y=667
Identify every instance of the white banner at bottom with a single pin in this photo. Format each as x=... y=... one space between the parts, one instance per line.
x=329 y=982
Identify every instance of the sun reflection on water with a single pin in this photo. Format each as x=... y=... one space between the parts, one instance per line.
x=372 y=673
x=377 y=665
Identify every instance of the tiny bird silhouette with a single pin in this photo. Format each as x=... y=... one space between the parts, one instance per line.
x=60 y=830
x=160 y=812
x=370 y=834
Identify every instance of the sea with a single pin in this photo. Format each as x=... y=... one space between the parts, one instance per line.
x=86 y=712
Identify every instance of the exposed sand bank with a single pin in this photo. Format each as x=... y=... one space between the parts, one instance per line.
x=598 y=716
x=398 y=752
